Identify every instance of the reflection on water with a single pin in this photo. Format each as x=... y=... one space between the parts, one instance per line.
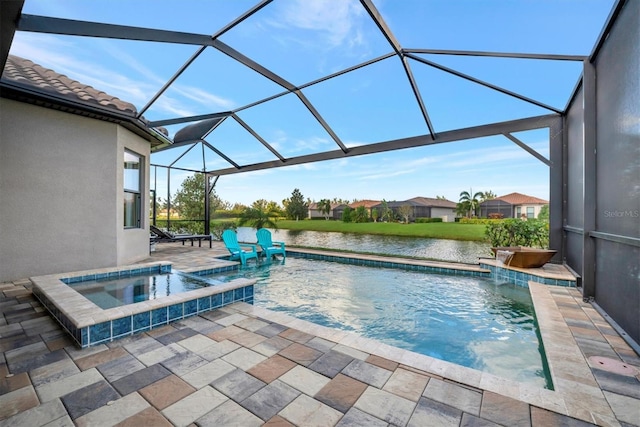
x=442 y=249
x=465 y=320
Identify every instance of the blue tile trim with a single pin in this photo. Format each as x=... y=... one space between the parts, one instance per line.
x=99 y=333
x=389 y=264
x=159 y=316
x=227 y=298
x=215 y=270
x=142 y=321
x=175 y=312
x=522 y=279
x=122 y=326
x=190 y=308
x=204 y=304
x=216 y=301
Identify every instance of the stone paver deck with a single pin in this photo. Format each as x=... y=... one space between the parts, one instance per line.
x=243 y=366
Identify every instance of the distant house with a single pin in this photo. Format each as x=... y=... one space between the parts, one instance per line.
x=513 y=205
x=424 y=207
x=436 y=208
x=368 y=205
x=334 y=213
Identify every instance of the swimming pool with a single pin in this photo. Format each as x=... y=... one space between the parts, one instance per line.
x=470 y=321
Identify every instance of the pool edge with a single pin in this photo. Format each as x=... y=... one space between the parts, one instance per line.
x=91 y=325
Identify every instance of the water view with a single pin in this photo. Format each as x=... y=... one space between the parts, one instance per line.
x=441 y=249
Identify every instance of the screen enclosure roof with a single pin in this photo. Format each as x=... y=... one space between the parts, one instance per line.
x=232 y=86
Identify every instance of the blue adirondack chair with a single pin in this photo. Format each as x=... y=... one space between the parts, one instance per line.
x=269 y=247
x=238 y=250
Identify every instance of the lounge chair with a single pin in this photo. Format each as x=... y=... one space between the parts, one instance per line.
x=166 y=236
x=269 y=247
x=237 y=250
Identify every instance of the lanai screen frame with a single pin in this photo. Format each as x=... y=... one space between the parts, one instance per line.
x=197 y=132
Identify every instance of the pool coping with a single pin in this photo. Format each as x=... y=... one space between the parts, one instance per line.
x=79 y=316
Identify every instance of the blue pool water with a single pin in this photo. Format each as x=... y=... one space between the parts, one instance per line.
x=469 y=321
x=109 y=293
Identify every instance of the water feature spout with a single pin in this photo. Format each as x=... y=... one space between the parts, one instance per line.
x=504 y=257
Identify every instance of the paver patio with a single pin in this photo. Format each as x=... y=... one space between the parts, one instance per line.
x=243 y=365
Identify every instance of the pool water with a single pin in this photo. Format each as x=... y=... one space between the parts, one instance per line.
x=109 y=293
x=469 y=321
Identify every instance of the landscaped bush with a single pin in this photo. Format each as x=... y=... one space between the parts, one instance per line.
x=347 y=214
x=484 y=221
x=220 y=213
x=182 y=226
x=516 y=232
x=218 y=227
x=426 y=220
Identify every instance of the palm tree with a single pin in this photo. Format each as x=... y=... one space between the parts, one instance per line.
x=487 y=195
x=257 y=217
x=470 y=202
x=324 y=206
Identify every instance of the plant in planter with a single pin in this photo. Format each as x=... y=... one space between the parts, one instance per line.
x=515 y=232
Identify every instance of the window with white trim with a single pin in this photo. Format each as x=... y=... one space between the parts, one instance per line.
x=132 y=189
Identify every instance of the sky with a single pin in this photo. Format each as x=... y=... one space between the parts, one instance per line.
x=305 y=40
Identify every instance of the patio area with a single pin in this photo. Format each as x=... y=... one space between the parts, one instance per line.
x=243 y=365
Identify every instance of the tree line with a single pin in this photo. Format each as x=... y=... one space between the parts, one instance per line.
x=188 y=204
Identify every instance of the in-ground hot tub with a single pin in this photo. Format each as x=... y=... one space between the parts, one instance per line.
x=522 y=256
x=90 y=324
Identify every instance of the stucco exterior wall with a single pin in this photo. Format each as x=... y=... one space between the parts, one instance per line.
x=61 y=206
x=132 y=243
x=449 y=213
x=523 y=209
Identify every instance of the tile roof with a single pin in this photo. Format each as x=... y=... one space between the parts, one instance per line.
x=521 y=199
x=26 y=73
x=366 y=203
x=434 y=203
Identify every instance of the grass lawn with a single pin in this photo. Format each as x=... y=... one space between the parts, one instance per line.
x=436 y=230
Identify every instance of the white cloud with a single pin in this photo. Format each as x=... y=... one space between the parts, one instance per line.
x=337 y=22
x=77 y=61
x=213 y=102
x=336 y=19
x=387 y=174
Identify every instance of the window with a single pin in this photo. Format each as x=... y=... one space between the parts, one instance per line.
x=518 y=211
x=530 y=212
x=132 y=190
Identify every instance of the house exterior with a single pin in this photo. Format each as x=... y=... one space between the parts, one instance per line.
x=334 y=213
x=74 y=175
x=424 y=207
x=436 y=208
x=513 y=205
x=368 y=205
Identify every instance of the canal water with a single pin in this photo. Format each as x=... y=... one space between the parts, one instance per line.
x=440 y=249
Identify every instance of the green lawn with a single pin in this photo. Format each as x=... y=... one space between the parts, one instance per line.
x=436 y=230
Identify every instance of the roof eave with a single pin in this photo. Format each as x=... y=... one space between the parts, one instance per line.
x=29 y=95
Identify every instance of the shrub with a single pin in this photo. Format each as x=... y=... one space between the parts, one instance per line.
x=182 y=226
x=427 y=220
x=347 y=214
x=218 y=227
x=515 y=232
x=484 y=221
